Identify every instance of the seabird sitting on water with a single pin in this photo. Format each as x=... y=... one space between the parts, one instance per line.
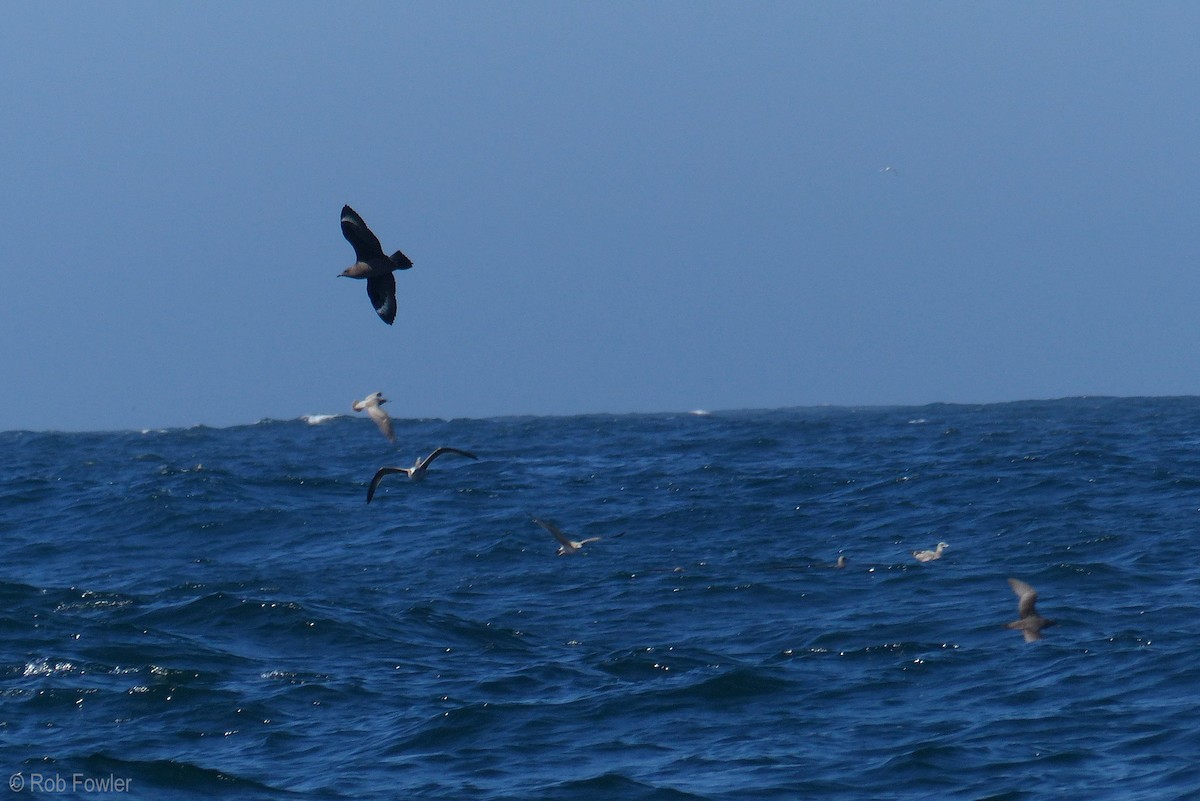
x=373 y=406
x=566 y=545
x=414 y=473
x=929 y=556
x=1030 y=623
x=373 y=264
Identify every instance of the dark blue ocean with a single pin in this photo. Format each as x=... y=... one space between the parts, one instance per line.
x=201 y=613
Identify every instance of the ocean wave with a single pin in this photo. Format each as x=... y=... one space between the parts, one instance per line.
x=318 y=419
x=238 y=629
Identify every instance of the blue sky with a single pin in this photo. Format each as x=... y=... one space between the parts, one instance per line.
x=611 y=207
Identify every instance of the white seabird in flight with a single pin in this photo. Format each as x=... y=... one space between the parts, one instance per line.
x=414 y=473
x=566 y=545
x=372 y=405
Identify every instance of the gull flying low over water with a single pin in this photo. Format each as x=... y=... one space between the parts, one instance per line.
x=414 y=473
x=373 y=264
x=567 y=545
x=373 y=406
x=1030 y=622
x=929 y=556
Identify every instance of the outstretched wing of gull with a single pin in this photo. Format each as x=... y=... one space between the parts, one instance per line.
x=558 y=534
x=379 y=476
x=439 y=451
